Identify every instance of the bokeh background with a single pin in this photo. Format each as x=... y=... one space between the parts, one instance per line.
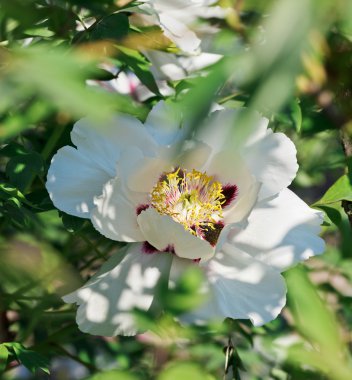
x=289 y=59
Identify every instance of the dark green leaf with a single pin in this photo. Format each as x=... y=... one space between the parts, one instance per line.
x=32 y=360
x=140 y=66
x=72 y=223
x=22 y=169
x=112 y=27
x=333 y=214
x=61 y=21
x=40 y=199
x=12 y=149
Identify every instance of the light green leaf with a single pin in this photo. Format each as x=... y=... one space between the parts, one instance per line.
x=8 y=192
x=61 y=81
x=4 y=354
x=184 y=371
x=185 y=295
x=339 y=191
x=113 y=375
x=317 y=324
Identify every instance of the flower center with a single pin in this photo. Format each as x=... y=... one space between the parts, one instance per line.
x=193 y=199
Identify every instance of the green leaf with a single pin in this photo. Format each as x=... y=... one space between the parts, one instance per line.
x=140 y=66
x=339 y=191
x=22 y=169
x=72 y=223
x=66 y=88
x=60 y=20
x=112 y=27
x=184 y=371
x=185 y=295
x=332 y=213
x=317 y=324
x=296 y=114
x=7 y=191
x=4 y=354
x=40 y=200
x=29 y=358
x=312 y=318
x=12 y=149
x=196 y=103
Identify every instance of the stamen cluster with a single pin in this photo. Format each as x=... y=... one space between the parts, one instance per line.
x=193 y=199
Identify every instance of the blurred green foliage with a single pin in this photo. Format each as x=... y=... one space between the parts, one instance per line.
x=292 y=61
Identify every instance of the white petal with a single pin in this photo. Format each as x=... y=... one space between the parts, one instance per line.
x=273 y=161
x=198 y=62
x=171 y=67
x=142 y=93
x=193 y=155
x=232 y=129
x=103 y=143
x=122 y=284
x=229 y=168
x=165 y=65
x=241 y=288
x=161 y=231
x=146 y=173
x=73 y=181
x=212 y=12
x=242 y=205
x=179 y=33
x=271 y=157
x=138 y=173
x=115 y=216
x=76 y=176
x=281 y=231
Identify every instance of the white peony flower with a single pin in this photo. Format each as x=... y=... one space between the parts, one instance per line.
x=219 y=201
x=176 y=17
x=165 y=67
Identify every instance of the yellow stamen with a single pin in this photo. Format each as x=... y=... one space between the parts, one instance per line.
x=193 y=199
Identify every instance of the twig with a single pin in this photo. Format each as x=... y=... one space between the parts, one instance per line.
x=228 y=367
x=77 y=359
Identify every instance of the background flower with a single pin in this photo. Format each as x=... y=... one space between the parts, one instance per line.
x=176 y=18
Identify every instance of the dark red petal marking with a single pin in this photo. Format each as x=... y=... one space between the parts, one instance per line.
x=148 y=248
x=170 y=249
x=230 y=192
x=211 y=235
x=141 y=208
